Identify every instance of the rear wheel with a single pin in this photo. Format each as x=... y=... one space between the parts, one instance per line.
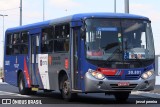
x=121 y=96
x=66 y=91
x=21 y=85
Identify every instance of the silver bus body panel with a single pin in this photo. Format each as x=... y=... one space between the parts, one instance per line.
x=94 y=85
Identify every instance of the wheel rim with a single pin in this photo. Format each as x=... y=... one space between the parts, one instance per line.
x=21 y=85
x=65 y=88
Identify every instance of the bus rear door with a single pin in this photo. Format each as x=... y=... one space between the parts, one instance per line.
x=38 y=64
x=34 y=50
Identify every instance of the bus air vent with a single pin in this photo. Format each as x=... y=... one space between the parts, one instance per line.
x=127 y=88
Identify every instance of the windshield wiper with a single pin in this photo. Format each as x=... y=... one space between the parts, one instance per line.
x=117 y=50
x=111 y=45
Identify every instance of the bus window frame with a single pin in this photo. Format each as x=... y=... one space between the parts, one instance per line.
x=62 y=24
x=12 y=44
x=48 y=40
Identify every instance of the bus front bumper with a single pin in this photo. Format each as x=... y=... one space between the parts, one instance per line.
x=94 y=85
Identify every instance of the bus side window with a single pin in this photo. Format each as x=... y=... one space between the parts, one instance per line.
x=24 y=43
x=61 y=39
x=9 y=44
x=24 y=37
x=16 y=38
x=16 y=43
x=47 y=40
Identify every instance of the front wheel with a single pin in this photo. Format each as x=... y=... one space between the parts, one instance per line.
x=121 y=96
x=66 y=91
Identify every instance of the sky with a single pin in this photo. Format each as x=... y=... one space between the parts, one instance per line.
x=33 y=12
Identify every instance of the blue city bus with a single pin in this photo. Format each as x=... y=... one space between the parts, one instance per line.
x=111 y=53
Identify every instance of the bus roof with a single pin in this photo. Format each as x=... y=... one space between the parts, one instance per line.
x=107 y=15
x=75 y=17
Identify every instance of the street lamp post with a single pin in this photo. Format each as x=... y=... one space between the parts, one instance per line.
x=126 y=3
x=3 y=24
x=20 y=13
x=115 y=6
x=3 y=40
x=43 y=10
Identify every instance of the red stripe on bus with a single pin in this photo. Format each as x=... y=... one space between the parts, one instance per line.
x=121 y=72
x=108 y=72
x=27 y=73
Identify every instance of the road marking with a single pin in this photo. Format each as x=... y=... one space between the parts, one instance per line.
x=146 y=94
x=12 y=94
x=3 y=83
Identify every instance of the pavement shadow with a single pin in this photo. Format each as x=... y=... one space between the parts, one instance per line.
x=56 y=98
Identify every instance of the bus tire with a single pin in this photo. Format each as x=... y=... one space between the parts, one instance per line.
x=66 y=91
x=21 y=85
x=121 y=96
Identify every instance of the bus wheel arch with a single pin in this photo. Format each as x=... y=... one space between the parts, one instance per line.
x=64 y=86
x=61 y=74
x=21 y=84
x=18 y=74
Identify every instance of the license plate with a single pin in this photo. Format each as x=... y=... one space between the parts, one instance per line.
x=123 y=84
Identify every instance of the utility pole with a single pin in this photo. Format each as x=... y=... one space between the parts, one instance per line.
x=43 y=10
x=126 y=6
x=20 y=12
x=3 y=42
x=3 y=25
x=115 y=6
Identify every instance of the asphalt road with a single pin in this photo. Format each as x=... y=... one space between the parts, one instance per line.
x=10 y=92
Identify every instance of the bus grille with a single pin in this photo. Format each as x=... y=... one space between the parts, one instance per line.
x=114 y=77
x=132 y=77
x=126 y=77
x=116 y=87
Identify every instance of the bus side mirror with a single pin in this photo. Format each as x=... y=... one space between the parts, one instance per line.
x=83 y=32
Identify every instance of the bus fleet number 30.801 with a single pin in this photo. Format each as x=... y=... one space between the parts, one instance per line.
x=136 y=72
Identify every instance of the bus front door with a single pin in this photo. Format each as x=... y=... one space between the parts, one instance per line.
x=34 y=50
x=76 y=74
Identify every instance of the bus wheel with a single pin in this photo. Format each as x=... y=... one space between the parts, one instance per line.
x=21 y=85
x=66 y=91
x=121 y=96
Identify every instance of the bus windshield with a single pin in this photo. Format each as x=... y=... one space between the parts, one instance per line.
x=119 y=39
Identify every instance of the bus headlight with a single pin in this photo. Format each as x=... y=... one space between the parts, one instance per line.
x=96 y=74
x=147 y=74
x=150 y=73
